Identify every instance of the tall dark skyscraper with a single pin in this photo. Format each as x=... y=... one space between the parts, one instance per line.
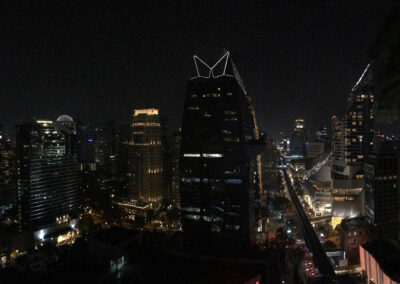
x=299 y=139
x=175 y=154
x=382 y=194
x=7 y=174
x=48 y=175
x=218 y=155
x=146 y=156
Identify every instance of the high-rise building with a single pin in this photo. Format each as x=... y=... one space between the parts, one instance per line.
x=47 y=175
x=106 y=147
x=175 y=154
x=146 y=156
x=86 y=148
x=101 y=147
x=7 y=175
x=382 y=194
x=219 y=146
x=166 y=160
x=351 y=144
x=299 y=139
x=123 y=138
x=356 y=135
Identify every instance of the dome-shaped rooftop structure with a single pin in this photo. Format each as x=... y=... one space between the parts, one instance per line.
x=65 y=118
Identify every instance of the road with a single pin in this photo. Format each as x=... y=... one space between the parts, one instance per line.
x=319 y=256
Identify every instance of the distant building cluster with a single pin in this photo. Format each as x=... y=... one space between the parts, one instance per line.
x=61 y=178
x=217 y=181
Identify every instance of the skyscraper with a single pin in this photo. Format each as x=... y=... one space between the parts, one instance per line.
x=7 y=174
x=298 y=139
x=175 y=154
x=356 y=136
x=166 y=160
x=352 y=143
x=218 y=155
x=382 y=195
x=48 y=175
x=146 y=156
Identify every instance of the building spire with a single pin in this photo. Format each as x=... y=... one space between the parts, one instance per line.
x=211 y=70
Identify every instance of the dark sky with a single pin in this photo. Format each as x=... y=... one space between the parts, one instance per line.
x=98 y=60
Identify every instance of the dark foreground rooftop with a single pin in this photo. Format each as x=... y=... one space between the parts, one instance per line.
x=387 y=254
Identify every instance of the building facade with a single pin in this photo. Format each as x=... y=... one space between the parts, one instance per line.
x=175 y=154
x=7 y=175
x=353 y=233
x=352 y=140
x=382 y=195
x=47 y=175
x=218 y=156
x=299 y=139
x=146 y=156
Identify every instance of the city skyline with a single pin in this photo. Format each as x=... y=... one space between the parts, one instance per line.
x=200 y=142
x=56 y=63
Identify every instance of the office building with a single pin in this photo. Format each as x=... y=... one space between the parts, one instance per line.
x=47 y=176
x=351 y=144
x=175 y=154
x=166 y=160
x=7 y=175
x=382 y=195
x=146 y=156
x=219 y=149
x=353 y=136
x=299 y=140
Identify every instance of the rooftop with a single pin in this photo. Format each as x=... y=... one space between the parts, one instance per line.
x=387 y=254
x=354 y=223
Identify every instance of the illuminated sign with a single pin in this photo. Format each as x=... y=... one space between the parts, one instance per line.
x=149 y=111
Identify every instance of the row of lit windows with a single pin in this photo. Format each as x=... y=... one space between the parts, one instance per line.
x=146 y=124
x=343 y=198
x=207 y=95
x=204 y=155
x=386 y=177
x=154 y=171
x=205 y=180
x=210 y=95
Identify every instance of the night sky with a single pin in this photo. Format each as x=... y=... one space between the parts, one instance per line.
x=98 y=60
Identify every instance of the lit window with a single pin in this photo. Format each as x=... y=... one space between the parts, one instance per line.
x=193 y=217
x=191 y=155
x=216 y=155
